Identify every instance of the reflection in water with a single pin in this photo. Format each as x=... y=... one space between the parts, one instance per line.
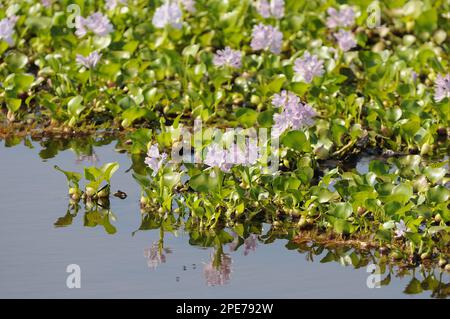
x=156 y=254
x=250 y=243
x=217 y=272
x=92 y=159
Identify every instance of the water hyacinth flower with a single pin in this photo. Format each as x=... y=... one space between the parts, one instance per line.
x=97 y=23
x=7 y=29
x=168 y=14
x=442 y=87
x=46 y=3
x=89 y=61
x=225 y=159
x=216 y=156
x=228 y=57
x=246 y=155
x=308 y=67
x=189 y=5
x=274 y=8
x=266 y=37
x=346 y=40
x=284 y=99
x=295 y=115
x=154 y=159
x=401 y=229
x=112 y=4
x=342 y=18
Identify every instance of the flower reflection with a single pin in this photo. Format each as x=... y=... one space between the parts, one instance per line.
x=218 y=271
x=156 y=254
x=250 y=243
x=93 y=158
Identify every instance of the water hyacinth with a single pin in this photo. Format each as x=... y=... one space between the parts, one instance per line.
x=225 y=159
x=89 y=61
x=154 y=159
x=442 y=87
x=342 y=18
x=168 y=14
x=308 y=67
x=46 y=3
x=7 y=29
x=401 y=229
x=97 y=23
x=274 y=8
x=189 y=5
x=295 y=115
x=112 y=4
x=346 y=40
x=216 y=156
x=228 y=57
x=246 y=155
x=266 y=37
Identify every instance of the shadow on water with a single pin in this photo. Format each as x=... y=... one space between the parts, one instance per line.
x=224 y=244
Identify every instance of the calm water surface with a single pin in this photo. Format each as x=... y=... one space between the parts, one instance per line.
x=34 y=253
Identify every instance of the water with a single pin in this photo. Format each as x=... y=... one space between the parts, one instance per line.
x=34 y=254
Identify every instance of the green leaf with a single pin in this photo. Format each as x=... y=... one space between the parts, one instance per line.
x=108 y=170
x=74 y=106
x=297 y=141
x=342 y=226
x=16 y=61
x=72 y=177
x=438 y=194
x=171 y=179
x=13 y=105
x=247 y=117
x=276 y=83
x=342 y=210
x=203 y=182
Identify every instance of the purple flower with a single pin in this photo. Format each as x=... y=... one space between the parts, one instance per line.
x=168 y=14
x=442 y=87
x=228 y=57
x=112 y=4
x=346 y=40
x=284 y=99
x=7 y=29
x=154 y=159
x=89 y=61
x=225 y=159
x=266 y=37
x=189 y=5
x=308 y=67
x=342 y=18
x=46 y=3
x=294 y=115
x=216 y=156
x=274 y=8
x=401 y=229
x=243 y=155
x=97 y=23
